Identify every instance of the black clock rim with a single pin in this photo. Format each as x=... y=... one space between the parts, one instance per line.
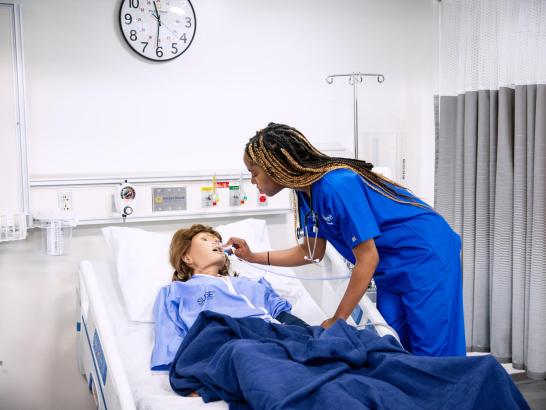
x=152 y=59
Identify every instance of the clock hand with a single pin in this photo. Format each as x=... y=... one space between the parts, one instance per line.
x=165 y=26
x=157 y=38
x=158 y=17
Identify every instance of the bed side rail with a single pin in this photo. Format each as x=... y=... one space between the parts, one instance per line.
x=97 y=336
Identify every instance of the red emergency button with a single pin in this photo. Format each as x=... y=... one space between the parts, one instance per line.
x=262 y=198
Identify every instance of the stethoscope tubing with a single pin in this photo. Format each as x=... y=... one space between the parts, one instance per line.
x=286 y=275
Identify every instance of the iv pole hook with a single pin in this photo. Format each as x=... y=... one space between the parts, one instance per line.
x=355 y=78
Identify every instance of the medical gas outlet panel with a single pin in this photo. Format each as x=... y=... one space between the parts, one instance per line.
x=217 y=196
x=237 y=196
x=235 y=193
x=157 y=198
x=213 y=196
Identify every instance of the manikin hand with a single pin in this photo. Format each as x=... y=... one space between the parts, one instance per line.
x=241 y=249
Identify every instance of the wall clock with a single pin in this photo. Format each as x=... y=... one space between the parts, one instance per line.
x=159 y=30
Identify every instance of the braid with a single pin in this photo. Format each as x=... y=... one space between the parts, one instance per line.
x=291 y=161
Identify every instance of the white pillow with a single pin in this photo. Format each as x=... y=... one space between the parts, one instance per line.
x=142 y=262
x=253 y=231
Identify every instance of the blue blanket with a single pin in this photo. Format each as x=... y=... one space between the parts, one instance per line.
x=250 y=363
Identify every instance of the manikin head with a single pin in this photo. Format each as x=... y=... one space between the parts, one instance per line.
x=197 y=249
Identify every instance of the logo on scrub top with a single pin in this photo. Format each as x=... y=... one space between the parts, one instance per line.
x=328 y=218
x=209 y=294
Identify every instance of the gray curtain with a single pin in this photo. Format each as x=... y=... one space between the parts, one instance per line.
x=490 y=186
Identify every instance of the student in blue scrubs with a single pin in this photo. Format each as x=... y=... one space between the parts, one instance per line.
x=380 y=227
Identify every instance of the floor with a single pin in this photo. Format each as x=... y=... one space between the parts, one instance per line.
x=533 y=390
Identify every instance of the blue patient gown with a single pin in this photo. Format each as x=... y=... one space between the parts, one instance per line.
x=178 y=304
x=418 y=277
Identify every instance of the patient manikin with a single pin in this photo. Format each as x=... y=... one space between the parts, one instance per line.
x=201 y=282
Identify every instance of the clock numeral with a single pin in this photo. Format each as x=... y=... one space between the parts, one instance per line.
x=133 y=36
x=188 y=22
x=159 y=51
x=145 y=45
x=128 y=18
x=134 y=4
x=183 y=38
x=174 y=49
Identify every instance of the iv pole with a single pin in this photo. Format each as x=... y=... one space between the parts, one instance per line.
x=355 y=78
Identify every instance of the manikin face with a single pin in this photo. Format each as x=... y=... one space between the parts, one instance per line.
x=258 y=177
x=206 y=254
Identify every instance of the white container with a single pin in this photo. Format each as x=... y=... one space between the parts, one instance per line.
x=13 y=227
x=56 y=235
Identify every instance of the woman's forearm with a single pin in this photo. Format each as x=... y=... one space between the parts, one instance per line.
x=286 y=257
x=367 y=258
x=360 y=279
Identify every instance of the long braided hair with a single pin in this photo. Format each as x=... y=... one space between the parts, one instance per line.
x=291 y=161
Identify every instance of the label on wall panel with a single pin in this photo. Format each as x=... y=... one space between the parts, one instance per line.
x=169 y=199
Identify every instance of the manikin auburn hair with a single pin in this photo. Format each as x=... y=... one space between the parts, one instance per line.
x=291 y=161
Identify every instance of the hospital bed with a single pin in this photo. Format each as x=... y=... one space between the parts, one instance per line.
x=114 y=350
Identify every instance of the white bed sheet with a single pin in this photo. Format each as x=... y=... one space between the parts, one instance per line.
x=151 y=390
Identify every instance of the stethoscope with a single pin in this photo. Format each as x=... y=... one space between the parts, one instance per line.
x=303 y=231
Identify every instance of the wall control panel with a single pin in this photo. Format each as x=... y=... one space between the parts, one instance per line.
x=169 y=199
x=157 y=198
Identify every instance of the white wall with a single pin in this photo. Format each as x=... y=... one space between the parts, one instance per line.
x=96 y=108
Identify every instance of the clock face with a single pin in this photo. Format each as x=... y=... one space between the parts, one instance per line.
x=158 y=30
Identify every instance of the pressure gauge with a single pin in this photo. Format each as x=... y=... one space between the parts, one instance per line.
x=124 y=199
x=127 y=193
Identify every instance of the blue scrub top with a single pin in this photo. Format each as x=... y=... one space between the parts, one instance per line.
x=415 y=244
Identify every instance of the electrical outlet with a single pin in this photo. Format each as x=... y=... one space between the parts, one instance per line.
x=65 y=200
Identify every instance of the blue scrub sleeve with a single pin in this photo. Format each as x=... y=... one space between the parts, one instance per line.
x=169 y=328
x=272 y=301
x=347 y=202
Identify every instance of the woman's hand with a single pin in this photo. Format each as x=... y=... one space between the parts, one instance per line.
x=329 y=322
x=241 y=249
